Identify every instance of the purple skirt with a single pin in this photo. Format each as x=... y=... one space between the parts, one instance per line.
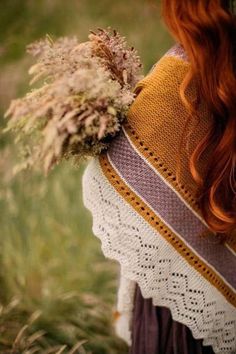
x=155 y=332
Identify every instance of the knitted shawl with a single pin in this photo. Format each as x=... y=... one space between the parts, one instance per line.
x=152 y=224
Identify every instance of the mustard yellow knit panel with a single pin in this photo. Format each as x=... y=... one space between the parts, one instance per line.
x=158 y=116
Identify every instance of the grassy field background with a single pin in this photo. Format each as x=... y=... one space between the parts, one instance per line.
x=56 y=288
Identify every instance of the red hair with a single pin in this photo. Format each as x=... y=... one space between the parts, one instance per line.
x=207 y=31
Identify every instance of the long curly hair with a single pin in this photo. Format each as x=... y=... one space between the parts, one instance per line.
x=207 y=31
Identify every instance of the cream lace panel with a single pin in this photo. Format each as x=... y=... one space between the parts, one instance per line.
x=125 y=304
x=162 y=274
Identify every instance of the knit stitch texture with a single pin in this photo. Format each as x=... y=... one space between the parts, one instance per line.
x=152 y=224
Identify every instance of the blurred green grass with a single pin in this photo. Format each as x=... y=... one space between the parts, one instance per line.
x=51 y=266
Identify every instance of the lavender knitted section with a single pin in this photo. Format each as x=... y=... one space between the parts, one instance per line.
x=169 y=206
x=177 y=51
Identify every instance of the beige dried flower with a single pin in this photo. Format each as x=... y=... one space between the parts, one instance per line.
x=86 y=91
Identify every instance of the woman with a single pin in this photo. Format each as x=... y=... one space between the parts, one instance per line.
x=163 y=195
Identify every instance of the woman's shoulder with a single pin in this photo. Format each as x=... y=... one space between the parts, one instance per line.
x=175 y=51
x=158 y=111
x=172 y=66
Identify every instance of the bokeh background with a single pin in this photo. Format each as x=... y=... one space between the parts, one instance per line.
x=57 y=291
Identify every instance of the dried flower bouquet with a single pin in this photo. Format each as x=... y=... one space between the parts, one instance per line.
x=85 y=91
